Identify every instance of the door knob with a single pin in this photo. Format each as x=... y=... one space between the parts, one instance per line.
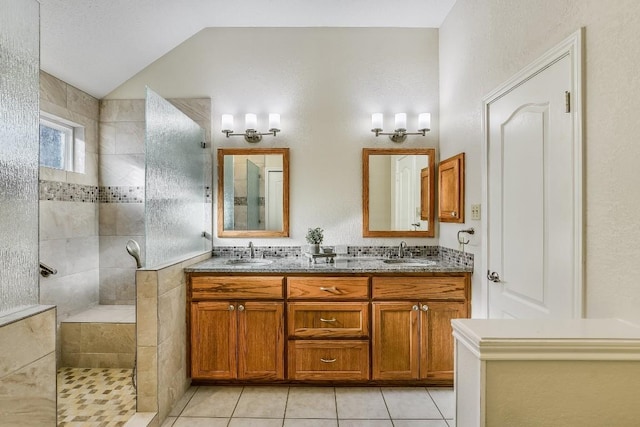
x=231 y=307
x=241 y=307
x=415 y=308
x=493 y=276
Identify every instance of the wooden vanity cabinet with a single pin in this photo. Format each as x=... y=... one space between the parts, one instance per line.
x=364 y=329
x=411 y=326
x=328 y=328
x=236 y=333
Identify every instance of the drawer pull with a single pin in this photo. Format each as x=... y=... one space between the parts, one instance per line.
x=327 y=360
x=328 y=289
x=328 y=320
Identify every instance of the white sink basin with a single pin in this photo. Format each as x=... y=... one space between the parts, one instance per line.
x=409 y=261
x=249 y=262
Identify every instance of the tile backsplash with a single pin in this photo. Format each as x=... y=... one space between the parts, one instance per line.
x=452 y=255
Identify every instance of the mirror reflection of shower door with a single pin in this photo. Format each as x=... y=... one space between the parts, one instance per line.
x=273 y=198
x=229 y=194
x=253 y=196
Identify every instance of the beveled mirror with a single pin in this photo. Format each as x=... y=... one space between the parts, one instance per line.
x=398 y=192
x=253 y=192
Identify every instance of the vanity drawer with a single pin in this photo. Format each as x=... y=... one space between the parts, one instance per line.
x=453 y=287
x=236 y=287
x=328 y=287
x=329 y=360
x=318 y=319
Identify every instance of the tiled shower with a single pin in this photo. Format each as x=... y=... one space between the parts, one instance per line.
x=86 y=220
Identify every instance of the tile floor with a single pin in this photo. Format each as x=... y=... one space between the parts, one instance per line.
x=282 y=406
x=96 y=397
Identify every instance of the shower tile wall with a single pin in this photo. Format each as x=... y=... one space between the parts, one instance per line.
x=122 y=179
x=69 y=209
x=121 y=196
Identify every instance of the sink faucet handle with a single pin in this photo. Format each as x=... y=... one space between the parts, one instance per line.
x=402 y=249
x=252 y=252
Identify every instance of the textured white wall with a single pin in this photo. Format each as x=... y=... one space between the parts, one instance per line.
x=482 y=44
x=325 y=83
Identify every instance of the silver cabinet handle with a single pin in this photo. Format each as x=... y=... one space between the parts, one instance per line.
x=241 y=307
x=327 y=360
x=493 y=276
x=453 y=214
x=328 y=320
x=231 y=307
x=424 y=307
x=329 y=289
x=415 y=308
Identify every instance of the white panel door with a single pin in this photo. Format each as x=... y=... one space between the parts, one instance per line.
x=533 y=184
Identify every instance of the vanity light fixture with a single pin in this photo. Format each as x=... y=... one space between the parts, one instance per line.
x=251 y=124
x=400 y=133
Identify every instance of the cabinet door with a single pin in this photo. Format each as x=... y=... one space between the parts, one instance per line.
x=261 y=340
x=426 y=195
x=213 y=340
x=436 y=356
x=451 y=189
x=395 y=341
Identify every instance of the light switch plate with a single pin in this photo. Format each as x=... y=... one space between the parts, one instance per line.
x=475 y=211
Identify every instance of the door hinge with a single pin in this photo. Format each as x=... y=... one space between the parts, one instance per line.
x=567 y=101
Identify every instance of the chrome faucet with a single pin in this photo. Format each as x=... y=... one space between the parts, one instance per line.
x=252 y=252
x=401 y=249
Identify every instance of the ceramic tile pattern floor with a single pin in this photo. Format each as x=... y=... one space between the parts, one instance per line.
x=95 y=397
x=283 y=406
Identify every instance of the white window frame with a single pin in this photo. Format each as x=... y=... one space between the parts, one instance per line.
x=74 y=146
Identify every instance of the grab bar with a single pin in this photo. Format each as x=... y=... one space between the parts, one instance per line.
x=46 y=271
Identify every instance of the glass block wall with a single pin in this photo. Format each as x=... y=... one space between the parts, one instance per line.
x=19 y=111
x=174 y=188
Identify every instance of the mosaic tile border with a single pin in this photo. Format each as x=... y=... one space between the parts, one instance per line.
x=271 y=251
x=242 y=201
x=67 y=192
x=121 y=194
x=448 y=254
x=456 y=256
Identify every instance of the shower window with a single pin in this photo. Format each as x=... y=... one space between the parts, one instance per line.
x=61 y=144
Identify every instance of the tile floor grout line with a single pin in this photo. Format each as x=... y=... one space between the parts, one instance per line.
x=386 y=406
x=235 y=407
x=335 y=401
x=436 y=403
x=187 y=402
x=286 y=404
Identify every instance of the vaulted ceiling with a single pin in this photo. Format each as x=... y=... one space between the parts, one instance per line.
x=96 y=45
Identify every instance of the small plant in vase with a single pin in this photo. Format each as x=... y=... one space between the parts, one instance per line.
x=314 y=238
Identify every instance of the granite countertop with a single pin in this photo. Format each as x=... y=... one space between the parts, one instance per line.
x=321 y=265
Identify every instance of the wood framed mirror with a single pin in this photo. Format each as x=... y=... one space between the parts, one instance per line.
x=398 y=192
x=253 y=192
